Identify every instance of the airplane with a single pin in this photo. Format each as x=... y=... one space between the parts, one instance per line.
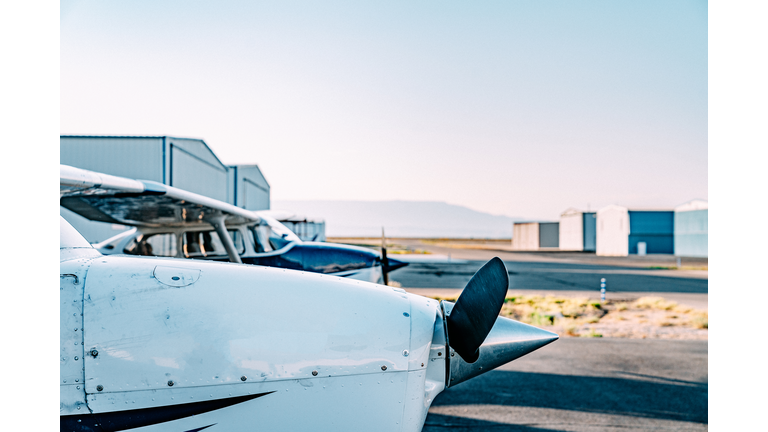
x=172 y=222
x=166 y=344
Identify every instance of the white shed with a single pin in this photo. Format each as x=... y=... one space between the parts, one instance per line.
x=525 y=236
x=534 y=236
x=577 y=230
x=612 y=231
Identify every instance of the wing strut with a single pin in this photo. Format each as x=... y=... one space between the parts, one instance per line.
x=221 y=230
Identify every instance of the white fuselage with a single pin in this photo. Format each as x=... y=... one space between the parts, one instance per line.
x=323 y=352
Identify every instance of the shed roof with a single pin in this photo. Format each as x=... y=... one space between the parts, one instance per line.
x=692 y=205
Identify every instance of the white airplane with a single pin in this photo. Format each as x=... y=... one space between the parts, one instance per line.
x=171 y=222
x=165 y=344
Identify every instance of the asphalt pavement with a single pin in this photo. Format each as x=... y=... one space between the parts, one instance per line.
x=548 y=276
x=578 y=384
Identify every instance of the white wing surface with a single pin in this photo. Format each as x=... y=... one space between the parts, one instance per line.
x=106 y=198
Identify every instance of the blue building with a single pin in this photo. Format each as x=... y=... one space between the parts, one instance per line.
x=691 y=229
x=654 y=228
x=622 y=231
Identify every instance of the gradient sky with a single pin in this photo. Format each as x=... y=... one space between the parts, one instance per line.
x=521 y=108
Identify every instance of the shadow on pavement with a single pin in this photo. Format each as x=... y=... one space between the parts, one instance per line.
x=437 y=422
x=669 y=399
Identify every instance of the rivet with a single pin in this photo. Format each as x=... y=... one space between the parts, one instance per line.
x=422 y=365
x=65 y=380
x=99 y=387
x=383 y=368
x=314 y=373
x=94 y=352
x=175 y=278
x=170 y=383
x=77 y=380
x=78 y=407
x=405 y=353
x=439 y=354
x=76 y=357
x=405 y=314
x=243 y=378
x=78 y=387
x=453 y=354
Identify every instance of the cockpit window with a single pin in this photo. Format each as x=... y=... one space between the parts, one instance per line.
x=162 y=244
x=271 y=236
x=201 y=244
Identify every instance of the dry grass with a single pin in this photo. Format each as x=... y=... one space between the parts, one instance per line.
x=646 y=317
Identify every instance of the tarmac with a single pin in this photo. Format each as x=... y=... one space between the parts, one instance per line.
x=579 y=384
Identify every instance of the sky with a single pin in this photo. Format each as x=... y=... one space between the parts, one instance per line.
x=517 y=108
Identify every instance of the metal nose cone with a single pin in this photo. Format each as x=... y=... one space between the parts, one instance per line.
x=393 y=264
x=507 y=341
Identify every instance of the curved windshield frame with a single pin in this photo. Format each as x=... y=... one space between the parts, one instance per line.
x=270 y=235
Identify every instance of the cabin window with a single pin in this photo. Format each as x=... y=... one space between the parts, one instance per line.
x=162 y=244
x=269 y=239
x=201 y=244
x=261 y=235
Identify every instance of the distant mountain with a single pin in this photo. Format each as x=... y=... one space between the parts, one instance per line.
x=401 y=219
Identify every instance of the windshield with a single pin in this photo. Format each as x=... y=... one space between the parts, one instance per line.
x=271 y=235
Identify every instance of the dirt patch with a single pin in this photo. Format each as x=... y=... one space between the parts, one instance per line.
x=646 y=317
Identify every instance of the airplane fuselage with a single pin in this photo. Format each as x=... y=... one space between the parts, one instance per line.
x=250 y=345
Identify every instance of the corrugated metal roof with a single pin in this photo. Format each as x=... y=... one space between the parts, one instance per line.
x=150 y=137
x=697 y=204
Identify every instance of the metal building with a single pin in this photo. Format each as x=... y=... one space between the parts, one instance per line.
x=533 y=236
x=691 y=229
x=185 y=163
x=308 y=229
x=622 y=231
x=250 y=189
x=578 y=230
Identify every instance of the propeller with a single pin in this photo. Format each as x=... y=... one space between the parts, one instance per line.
x=384 y=260
x=477 y=308
x=388 y=264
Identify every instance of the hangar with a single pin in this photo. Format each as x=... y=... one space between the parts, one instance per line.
x=578 y=230
x=691 y=229
x=184 y=163
x=249 y=188
x=622 y=231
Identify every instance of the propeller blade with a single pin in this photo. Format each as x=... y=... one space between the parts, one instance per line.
x=384 y=265
x=477 y=308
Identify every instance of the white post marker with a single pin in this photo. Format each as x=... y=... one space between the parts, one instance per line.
x=602 y=290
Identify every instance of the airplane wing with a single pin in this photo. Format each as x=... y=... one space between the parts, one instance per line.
x=106 y=198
